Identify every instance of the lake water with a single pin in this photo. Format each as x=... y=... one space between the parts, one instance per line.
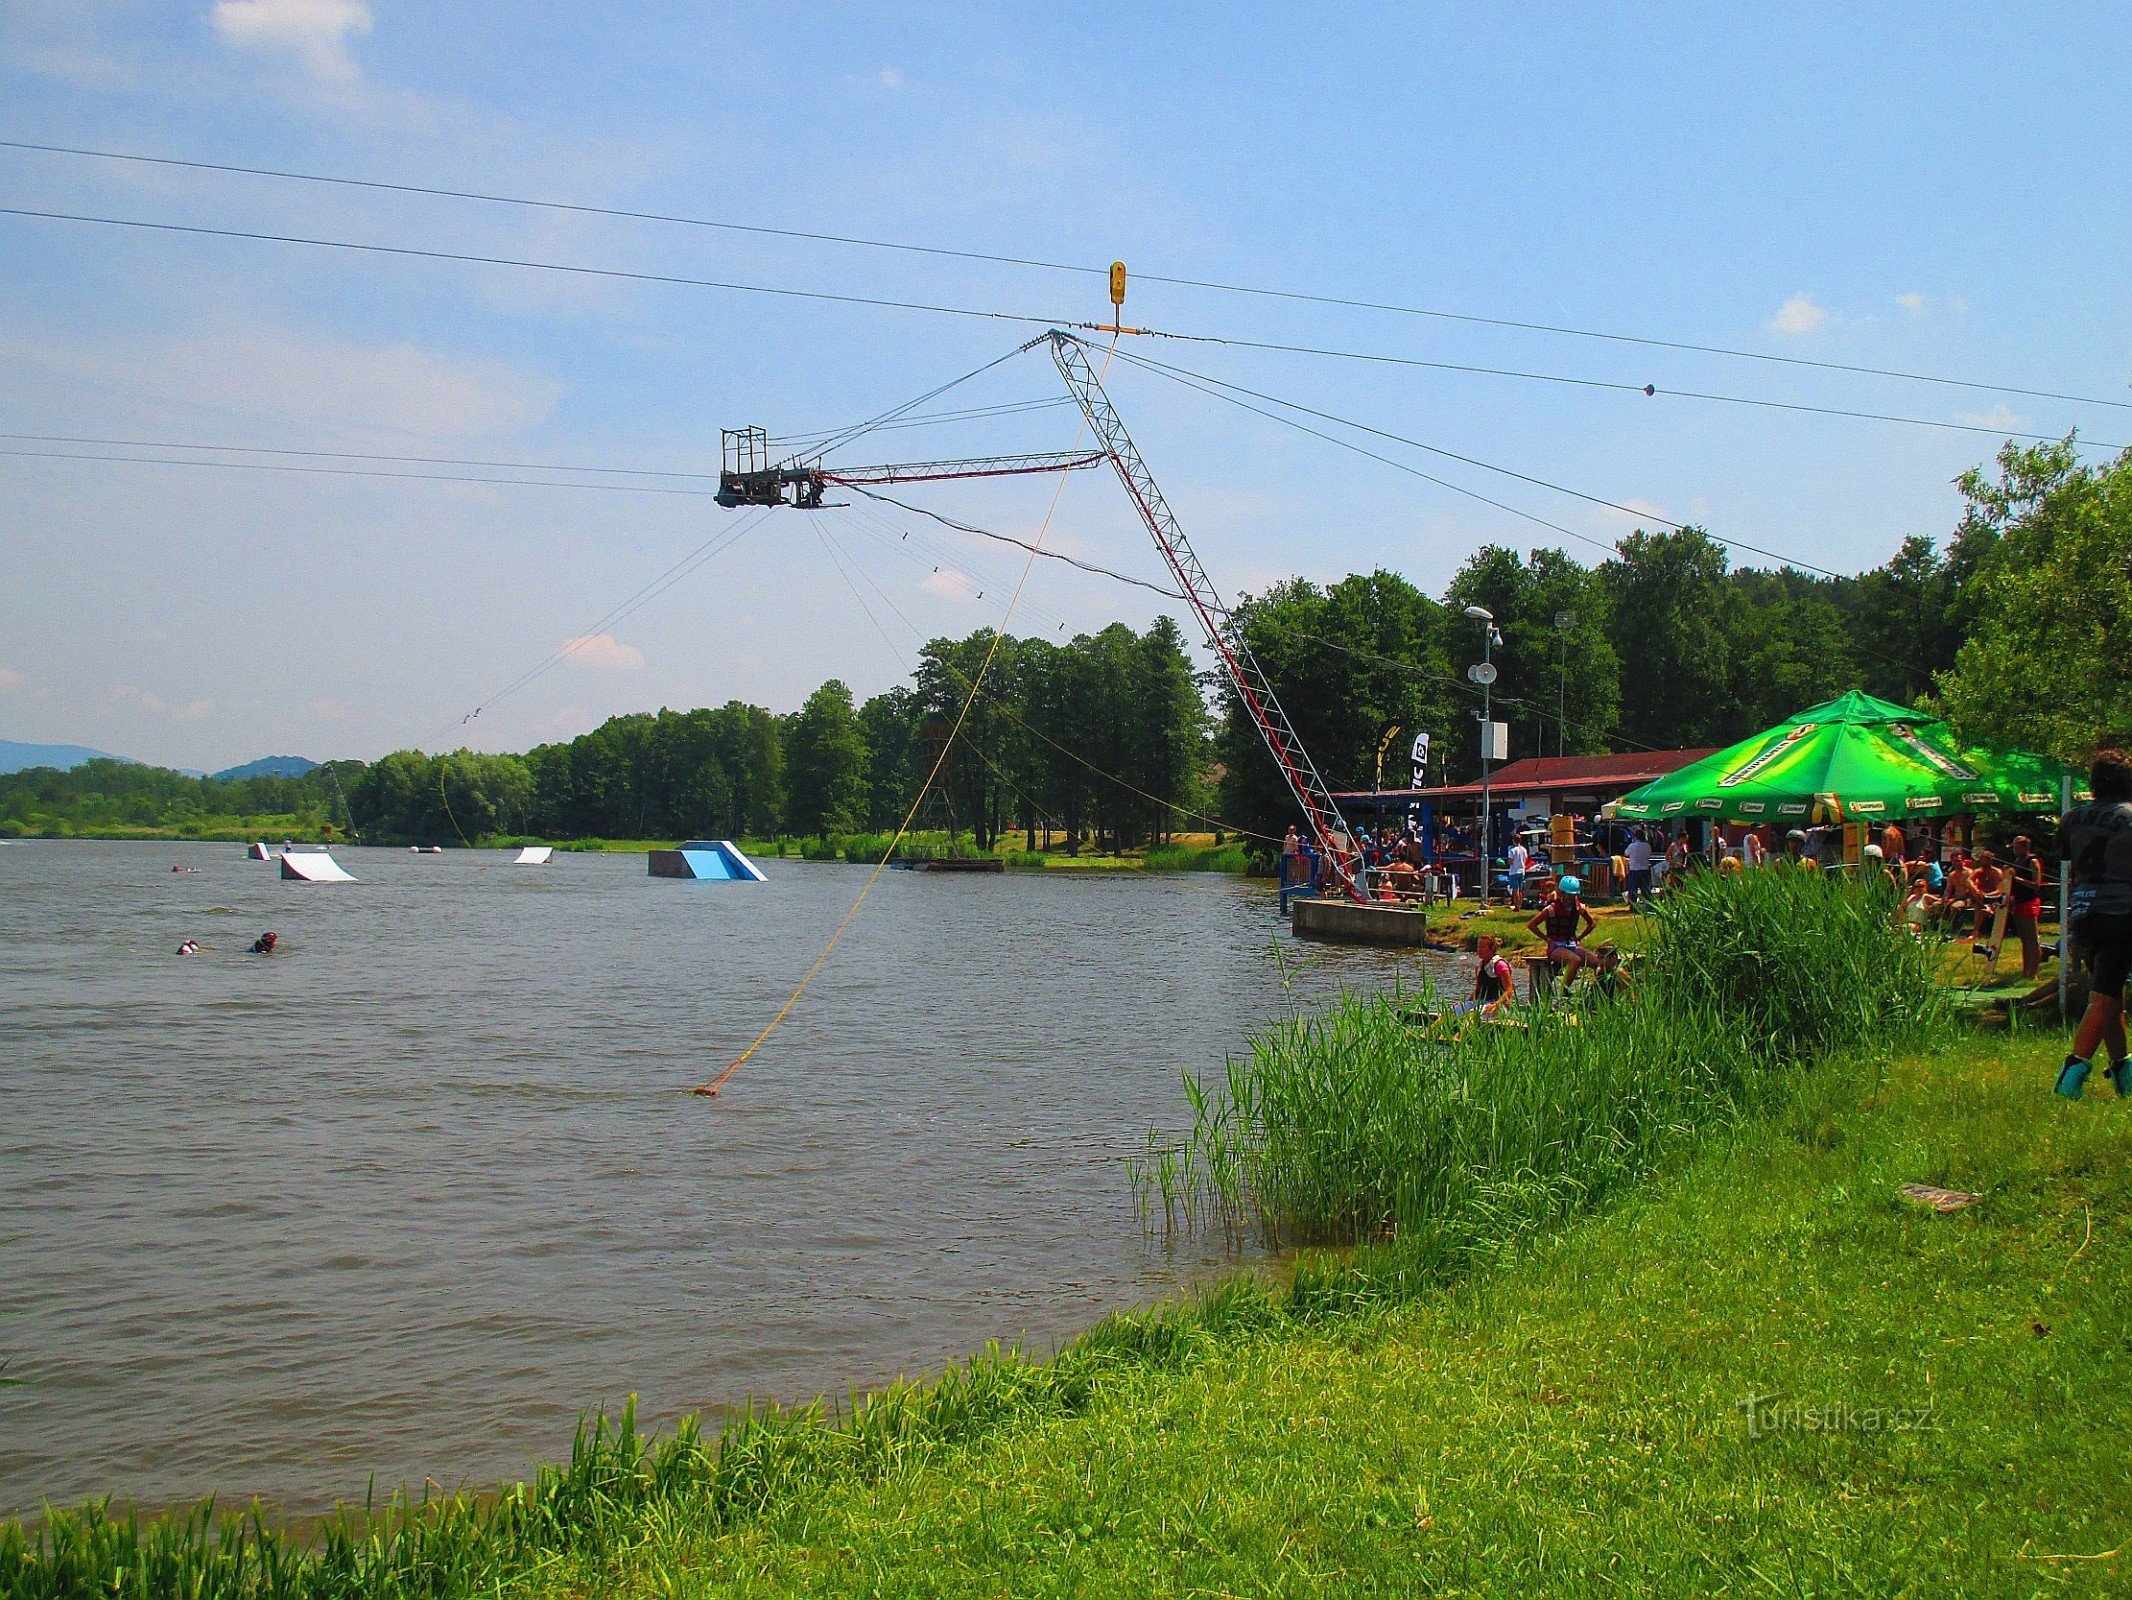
x=410 y=1195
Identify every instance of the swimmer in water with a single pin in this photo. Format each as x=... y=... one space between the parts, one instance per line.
x=191 y=947
x=264 y=944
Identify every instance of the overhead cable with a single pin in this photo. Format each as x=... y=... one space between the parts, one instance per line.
x=1019 y=544
x=1259 y=291
x=1378 y=358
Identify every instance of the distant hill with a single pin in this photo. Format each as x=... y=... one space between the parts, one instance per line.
x=18 y=757
x=269 y=767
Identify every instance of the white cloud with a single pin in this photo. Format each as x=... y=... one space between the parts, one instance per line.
x=1912 y=302
x=315 y=32
x=1639 y=511
x=11 y=679
x=127 y=695
x=2000 y=416
x=891 y=78
x=1798 y=315
x=601 y=652
x=193 y=711
x=950 y=585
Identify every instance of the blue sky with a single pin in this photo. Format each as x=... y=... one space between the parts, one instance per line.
x=1927 y=188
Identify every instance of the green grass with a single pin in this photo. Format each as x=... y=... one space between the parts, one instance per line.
x=1195 y=858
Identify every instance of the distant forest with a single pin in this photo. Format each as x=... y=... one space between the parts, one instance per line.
x=2014 y=628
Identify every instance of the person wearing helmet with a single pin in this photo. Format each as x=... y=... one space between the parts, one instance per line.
x=1564 y=919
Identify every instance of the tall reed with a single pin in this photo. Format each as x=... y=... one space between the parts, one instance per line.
x=1355 y=1124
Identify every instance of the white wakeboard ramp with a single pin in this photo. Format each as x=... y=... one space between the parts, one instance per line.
x=534 y=855
x=313 y=866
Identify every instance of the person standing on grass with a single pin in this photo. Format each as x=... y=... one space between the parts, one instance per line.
x=1991 y=884
x=2097 y=840
x=1638 y=857
x=2025 y=905
x=1514 y=866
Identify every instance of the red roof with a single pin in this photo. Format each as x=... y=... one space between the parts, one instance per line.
x=1545 y=774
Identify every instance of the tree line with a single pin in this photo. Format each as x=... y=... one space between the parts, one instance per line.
x=1101 y=741
x=2013 y=628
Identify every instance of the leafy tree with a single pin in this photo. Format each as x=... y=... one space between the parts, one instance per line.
x=2043 y=663
x=1791 y=647
x=888 y=727
x=825 y=763
x=1559 y=687
x=1675 y=623
x=1346 y=663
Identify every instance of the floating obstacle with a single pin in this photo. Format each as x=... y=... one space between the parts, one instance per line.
x=533 y=855
x=714 y=860
x=313 y=866
x=259 y=852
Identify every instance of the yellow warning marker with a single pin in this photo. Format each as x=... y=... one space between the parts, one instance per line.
x=1117 y=303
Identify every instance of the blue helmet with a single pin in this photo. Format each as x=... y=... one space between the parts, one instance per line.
x=1572 y=886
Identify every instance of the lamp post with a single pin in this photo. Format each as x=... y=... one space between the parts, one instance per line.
x=1484 y=675
x=1563 y=623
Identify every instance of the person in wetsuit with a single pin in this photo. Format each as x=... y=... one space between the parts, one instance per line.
x=1494 y=985
x=264 y=944
x=1565 y=920
x=2097 y=840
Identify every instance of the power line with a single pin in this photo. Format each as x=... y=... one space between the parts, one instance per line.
x=353 y=455
x=1648 y=390
x=1461 y=489
x=517 y=466
x=360 y=472
x=1378 y=358
x=1019 y=544
x=932 y=419
x=1345 y=302
x=1395 y=438
x=472 y=258
x=716 y=545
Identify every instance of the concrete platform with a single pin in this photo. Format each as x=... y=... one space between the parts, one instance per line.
x=1344 y=922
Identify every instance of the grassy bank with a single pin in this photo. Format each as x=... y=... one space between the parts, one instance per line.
x=1571 y=1422
x=1493 y=1391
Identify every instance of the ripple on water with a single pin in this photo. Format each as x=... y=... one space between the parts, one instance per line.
x=414 y=1193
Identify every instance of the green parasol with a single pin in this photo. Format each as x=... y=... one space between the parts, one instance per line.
x=1855 y=757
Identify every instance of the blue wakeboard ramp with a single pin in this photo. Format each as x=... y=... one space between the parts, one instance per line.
x=712 y=860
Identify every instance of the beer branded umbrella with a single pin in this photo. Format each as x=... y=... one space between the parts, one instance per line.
x=1853 y=758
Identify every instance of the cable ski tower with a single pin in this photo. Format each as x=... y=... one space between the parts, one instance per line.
x=1227 y=642
x=753 y=477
